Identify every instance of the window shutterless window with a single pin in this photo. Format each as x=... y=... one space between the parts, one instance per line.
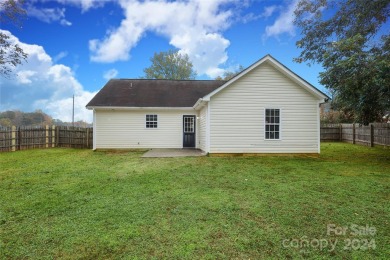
x=272 y=124
x=189 y=124
x=151 y=121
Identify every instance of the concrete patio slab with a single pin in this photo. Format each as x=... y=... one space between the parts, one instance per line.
x=159 y=153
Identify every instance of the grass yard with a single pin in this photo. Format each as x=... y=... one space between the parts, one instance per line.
x=67 y=203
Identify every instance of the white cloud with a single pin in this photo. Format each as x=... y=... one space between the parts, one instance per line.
x=60 y=56
x=109 y=74
x=249 y=17
x=41 y=84
x=48 y=15
x=62 y=108
x=193 y=26
x=65 y=22
x=24 y=76
x=85 y=5
x=268 y=11
x=283 y=24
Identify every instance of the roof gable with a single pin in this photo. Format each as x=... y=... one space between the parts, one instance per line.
x=281 y=68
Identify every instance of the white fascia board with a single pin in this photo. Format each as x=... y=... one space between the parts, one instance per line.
x=140 y=108
x=199 y=104
x=280 y=67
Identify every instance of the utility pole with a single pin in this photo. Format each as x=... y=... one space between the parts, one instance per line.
x=73 y=113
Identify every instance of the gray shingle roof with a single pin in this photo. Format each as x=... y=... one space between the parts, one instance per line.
x=153 y=92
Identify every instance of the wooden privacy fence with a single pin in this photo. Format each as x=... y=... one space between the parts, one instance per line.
x=373 y=134
x=23 y=138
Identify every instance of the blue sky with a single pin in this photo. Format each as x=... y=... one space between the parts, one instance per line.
x=75 y=46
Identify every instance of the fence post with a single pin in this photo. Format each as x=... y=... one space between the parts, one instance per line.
x=70 y=132
x=341 y=132
x=58 y=136
x=47 y=136
x=13 y=138
x=19 y=138
x=87 y=138
x=372 y=135
x=53 y=136
x=353 y=133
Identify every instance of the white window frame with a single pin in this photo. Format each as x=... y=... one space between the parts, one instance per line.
x=279 y=124
x=151 y=121
x=194 y=124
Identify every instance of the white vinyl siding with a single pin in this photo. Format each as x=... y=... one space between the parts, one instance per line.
x=202 y=128
x=122 y=129
x=237 y=115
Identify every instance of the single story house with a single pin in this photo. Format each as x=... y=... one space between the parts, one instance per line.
x=264 y=109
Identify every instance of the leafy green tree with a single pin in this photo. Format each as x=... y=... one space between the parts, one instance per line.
x=5 y=122
x=19 y=118
x=11 y=55
x=227 y=75
x=170 y=65
x=349 y=40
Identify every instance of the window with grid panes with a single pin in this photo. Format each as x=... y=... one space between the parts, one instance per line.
x=272 y=124
x=151 y=121
x=189 y=124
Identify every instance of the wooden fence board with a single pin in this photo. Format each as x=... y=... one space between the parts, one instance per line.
x=23 y=138
x=373 y=134
x=5 y=139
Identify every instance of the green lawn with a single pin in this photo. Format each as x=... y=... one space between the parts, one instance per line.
x=67 y=203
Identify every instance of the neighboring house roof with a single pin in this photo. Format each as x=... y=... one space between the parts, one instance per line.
x=280 y=67
x=153 y=93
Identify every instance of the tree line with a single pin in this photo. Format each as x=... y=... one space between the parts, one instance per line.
x=36 y=118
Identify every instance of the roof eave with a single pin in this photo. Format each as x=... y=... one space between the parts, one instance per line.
x=136 y=108
x=200 y=103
